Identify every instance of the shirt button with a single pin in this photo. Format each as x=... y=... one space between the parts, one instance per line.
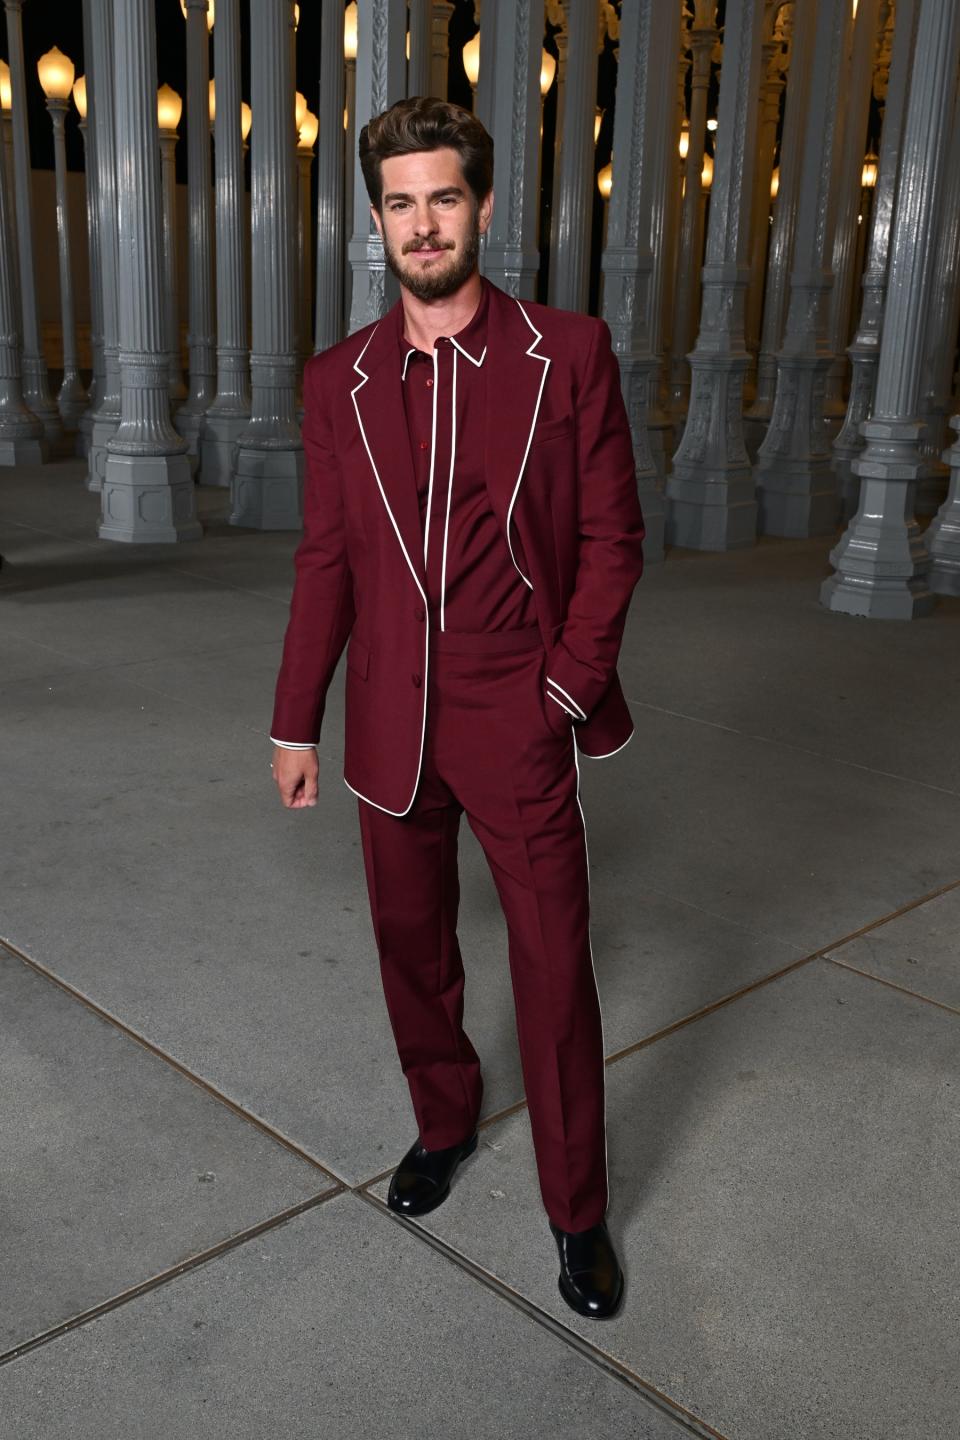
x=417 y=681
x=429 y=384
x=424 y=444
x=419 y=613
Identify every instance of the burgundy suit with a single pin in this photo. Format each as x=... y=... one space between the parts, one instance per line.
x=441 y=720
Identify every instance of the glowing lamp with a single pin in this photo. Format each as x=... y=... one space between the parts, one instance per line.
x=350 y=31
x=300 y=109
x=868 y=177
x=775 y=183
x=471 y=59
x=6 y=98
x=597 y=122
x=56 y=72
x=684 y=140
x=80 y=95
x=212 y=101
x=605 y=181
x=706 y=174
x=309 y=131
x=246 y=119
x=169 y=108
x=548 y=68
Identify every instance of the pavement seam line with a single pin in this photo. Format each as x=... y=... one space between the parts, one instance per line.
x=821 y=954
x=789 y=745
x=892 y=985
x=164 y=1277
x=205 y=1085
x=594 y=1354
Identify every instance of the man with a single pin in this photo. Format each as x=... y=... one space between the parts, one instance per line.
x=471 y=526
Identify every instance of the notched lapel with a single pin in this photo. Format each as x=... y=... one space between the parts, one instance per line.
x=516 y=376
x=378 y=403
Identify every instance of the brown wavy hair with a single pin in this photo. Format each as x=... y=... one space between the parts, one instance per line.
x=424 y=123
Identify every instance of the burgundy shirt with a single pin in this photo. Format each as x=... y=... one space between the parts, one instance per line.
x=472 y=583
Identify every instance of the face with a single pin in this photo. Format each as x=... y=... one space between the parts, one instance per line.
x=431 y=223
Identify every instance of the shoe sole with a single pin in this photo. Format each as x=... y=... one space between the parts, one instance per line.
x=439 y=1198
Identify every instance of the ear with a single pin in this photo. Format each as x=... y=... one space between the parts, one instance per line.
x=485 y=214
x=377 y=220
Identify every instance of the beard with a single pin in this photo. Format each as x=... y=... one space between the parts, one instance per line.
x=436 y=283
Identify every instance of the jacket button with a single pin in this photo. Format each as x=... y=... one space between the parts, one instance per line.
x=417 y=681
x=419 y=613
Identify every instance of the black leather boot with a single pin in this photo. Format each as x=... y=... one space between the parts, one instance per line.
x=591 y=1280
x=421 y=1181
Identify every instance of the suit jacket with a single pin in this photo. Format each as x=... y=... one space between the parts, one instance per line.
x=560 y=473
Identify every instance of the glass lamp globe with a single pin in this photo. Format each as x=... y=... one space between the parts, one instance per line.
x=56 y=72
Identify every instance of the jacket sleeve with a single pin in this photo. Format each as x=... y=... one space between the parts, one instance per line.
x=321 y=609
x=582 y=663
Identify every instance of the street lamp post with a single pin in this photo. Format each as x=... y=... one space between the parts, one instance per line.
x=56 y=73
x=92 y=207
x=169 y=110
x=307 y=133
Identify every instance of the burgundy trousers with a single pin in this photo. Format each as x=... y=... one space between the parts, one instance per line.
x=495 y=751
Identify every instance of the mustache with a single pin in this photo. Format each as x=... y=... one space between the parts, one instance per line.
x=412 y=246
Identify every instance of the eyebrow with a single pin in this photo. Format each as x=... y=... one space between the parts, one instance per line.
x=434 y=194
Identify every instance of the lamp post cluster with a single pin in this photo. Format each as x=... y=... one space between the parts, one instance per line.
x=737 y=235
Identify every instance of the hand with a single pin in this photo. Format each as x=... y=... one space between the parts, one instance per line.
x=296 y=772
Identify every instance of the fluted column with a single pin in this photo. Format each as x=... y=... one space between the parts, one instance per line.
x=381 y=81
x=510 y=257
x=441 y=11
x=304 y=258
x=573 y=165
x=782 y=231
x=421 y=47
x=71 y=397
x=350 y=171
x=228 y=415
x=100 y=105
x=864 y=351
x=92 y=208
x=710 y=501
x=880 y=564
x=267 y=476
x=777 y=25
x=671 y=227
x=627 y=261
x=171 y=287
x=796 y=490
x=22 y=440
x=939 y=344
x=703 y=38
x=850 y=171
x=200 y=345
x=485 y=14
x=148 y=492
x=331 y=245
x=36 y=386
x=664 y=138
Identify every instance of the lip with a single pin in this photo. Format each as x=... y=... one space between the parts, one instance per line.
x=426 y=254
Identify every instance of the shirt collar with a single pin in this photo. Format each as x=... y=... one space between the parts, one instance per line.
x=471 y=341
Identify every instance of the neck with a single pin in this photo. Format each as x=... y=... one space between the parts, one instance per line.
x=425 y=320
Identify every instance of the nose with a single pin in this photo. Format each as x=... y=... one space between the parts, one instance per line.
x=424 y=221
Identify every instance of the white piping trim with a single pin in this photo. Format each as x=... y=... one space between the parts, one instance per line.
x=406 y=360
x=294 y=744
x=446 y=523
x=426 y=628
x=603 y=1043
x=433 y=456
x=556 y=701
x=581 y=713
x=607 y=756
x=479 y=362
x=537 y=337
